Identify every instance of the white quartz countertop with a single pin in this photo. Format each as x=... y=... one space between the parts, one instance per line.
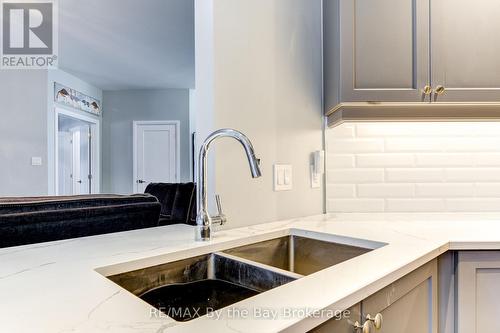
x=61 y=286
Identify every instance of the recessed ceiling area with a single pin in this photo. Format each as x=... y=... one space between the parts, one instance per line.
x=128 y=44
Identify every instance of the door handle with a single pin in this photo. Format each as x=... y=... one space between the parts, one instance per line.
x=140 y=181
x=79 y=181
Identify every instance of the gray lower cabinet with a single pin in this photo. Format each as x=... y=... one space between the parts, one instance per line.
x=408 y=305
x=478 y=291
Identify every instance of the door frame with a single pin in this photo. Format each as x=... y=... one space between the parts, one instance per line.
x=136 y=124
x=95 y=149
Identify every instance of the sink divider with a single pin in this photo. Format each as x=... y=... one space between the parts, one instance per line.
x=280 y=271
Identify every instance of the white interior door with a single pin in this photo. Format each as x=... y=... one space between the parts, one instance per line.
x=65 y=161
x=85 y=160
x=81 y=160
x=155 y=153
x=77 y=182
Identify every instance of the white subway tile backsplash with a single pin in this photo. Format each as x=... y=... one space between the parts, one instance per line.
x=341 y=191
x=423 y=144
x=471 y=175
x=354 y=176
x=381 y=130
x=427 y=129
x=345 y=131
x=417 y=130
x=445 y=160
x=487 y=159
x=355 y=205
x=414 y=167
x=490 y=190
x=385 y=160
x=386 y=190
x=349 y=146
x=340 y=161
x=473 y=205
x=444 y=190
x=414 y=175
x=415 y=205
x=485 y=144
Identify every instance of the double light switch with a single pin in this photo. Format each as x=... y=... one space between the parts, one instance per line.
x=283 y=177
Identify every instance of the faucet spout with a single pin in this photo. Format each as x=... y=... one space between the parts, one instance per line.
x=204 y=221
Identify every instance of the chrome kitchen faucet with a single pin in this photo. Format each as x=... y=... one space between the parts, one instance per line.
x=204 y=221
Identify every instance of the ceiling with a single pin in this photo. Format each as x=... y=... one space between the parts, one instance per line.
x=128 y=44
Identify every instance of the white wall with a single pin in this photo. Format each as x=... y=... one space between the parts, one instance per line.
x=261 y=74
x=23 y=132
x=120 y=109
x=412 y=167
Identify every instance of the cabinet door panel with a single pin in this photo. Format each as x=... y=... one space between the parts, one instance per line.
x=465 y=49
x=409 y=305
x=384 y=50
x=477 y=292
x=488 y=305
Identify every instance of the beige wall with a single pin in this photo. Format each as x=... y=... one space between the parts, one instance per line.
x=266 y=82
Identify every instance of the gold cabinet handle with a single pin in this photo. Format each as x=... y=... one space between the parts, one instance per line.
x=427 y=90
x=440 y=90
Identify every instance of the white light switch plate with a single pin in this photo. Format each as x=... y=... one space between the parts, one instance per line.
x=283 y=177
x=36 y=161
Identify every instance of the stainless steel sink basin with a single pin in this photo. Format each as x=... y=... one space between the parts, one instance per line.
x=192 y=287
x=297 y=254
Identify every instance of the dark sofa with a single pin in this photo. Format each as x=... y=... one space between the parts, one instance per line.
x=178 y=202
x=40 y=219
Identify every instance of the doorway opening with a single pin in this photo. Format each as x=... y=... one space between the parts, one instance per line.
x=77 y=146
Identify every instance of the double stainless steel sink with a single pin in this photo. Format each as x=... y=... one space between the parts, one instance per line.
x=192 y=287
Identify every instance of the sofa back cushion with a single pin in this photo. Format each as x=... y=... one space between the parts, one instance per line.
x=178 y=202
x=40 y=219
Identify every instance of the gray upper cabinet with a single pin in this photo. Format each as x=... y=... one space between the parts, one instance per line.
x=384 y=50
x=376 y=50
x=465 y=50
x=394 y=50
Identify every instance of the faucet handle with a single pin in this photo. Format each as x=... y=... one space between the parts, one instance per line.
x=220 y=218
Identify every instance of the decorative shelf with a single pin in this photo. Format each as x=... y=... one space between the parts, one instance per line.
x=389 y=111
